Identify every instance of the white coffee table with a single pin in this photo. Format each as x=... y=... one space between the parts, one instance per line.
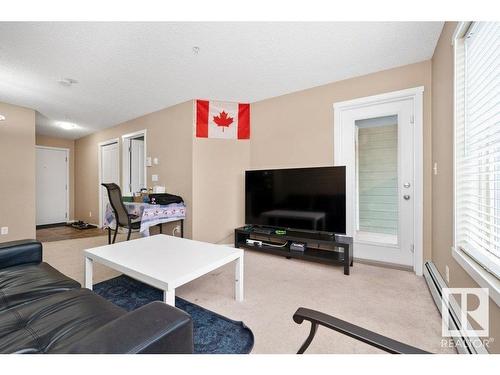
x=165 y=262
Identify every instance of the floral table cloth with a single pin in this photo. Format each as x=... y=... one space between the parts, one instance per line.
x=150 y=214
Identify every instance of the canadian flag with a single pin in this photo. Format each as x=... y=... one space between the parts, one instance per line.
x=215 y=119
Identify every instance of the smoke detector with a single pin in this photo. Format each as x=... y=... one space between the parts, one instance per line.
x=67 y=82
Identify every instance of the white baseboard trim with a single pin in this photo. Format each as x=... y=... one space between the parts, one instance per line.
x=465 y=343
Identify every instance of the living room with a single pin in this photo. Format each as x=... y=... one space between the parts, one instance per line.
x=296 y=195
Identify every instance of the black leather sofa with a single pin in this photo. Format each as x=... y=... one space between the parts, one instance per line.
x=43 y=311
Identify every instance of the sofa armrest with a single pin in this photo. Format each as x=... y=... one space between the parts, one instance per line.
x=15 y=253
x=155 y=328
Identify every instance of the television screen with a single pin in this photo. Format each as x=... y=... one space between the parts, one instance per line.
x=297 y=198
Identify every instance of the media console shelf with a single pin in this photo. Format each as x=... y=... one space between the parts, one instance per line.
x=320 y=247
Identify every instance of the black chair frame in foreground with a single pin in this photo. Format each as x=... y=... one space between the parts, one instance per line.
x=371 y=338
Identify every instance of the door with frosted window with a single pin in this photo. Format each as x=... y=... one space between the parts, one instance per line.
x=380 y=181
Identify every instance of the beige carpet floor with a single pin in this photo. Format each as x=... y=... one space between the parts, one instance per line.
x=391 y=302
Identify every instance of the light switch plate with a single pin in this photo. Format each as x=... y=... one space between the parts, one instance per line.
x=4 y=230
x=154 y=177
x=156 y=161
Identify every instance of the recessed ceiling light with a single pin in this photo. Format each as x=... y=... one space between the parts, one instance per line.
x=67 y=125
x=67 y=82
x=2 y=118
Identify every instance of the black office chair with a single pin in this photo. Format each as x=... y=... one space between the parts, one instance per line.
x=122 y=217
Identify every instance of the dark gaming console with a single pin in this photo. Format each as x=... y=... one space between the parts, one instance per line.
x=263 y=230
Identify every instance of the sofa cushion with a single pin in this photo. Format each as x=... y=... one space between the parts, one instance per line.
x=50 y=324
x=25 y=283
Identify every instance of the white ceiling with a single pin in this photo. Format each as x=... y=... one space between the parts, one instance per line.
x=125 y=70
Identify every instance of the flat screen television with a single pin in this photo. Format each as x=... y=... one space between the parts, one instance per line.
x=297 y=198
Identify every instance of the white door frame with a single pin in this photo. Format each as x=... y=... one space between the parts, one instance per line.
x=99 y=187
x=66 y=150
x=125 y=160
x=416 y=95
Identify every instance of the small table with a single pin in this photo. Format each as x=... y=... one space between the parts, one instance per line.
x=150 y=214
x=165 y=262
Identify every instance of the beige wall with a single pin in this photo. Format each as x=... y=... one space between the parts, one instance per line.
x=442 y=184
x=17 y=172
x=42 y=140
x=296 y=130
x=169 y=138
x=218 y=187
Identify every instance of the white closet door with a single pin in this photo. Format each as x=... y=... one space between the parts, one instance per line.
x=51 y=186
x=110 y=171
x=137 y=180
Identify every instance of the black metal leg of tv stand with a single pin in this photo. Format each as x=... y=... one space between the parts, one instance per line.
x=348 y=258
x=347 y=270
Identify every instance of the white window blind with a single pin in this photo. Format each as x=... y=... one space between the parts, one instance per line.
x=477 y=145
x=377 y=169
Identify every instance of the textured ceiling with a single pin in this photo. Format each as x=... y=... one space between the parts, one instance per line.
x=125 y=70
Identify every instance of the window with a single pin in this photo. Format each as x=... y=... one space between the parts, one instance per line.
x=477 y=144
x=377 y=169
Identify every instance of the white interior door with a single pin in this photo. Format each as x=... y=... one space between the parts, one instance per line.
x=377 y=149
x=110 y=172
x=51 y=185
x=137 y=181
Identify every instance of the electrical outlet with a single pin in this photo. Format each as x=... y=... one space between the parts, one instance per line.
x=154 y=178
x=4 y=230
x=90 y=213
x=447 y=271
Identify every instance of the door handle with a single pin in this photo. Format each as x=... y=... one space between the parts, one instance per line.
x=406 y=197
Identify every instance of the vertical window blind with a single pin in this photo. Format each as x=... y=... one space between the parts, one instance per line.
x=377 y=168
x=477 y=145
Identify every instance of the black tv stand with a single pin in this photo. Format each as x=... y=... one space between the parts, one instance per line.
x=320 y=247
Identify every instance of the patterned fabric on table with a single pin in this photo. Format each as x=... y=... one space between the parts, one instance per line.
x=150 y=214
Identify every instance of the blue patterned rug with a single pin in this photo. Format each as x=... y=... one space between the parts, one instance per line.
x=213 y=333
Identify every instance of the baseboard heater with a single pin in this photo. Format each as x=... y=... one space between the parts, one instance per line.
x=463 y=343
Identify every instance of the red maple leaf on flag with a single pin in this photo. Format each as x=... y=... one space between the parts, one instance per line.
x=223 y=120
